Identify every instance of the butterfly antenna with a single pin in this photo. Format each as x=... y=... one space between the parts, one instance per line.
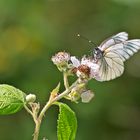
x=83 y=37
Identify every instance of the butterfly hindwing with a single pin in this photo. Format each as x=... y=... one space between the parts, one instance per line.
x=111 y=67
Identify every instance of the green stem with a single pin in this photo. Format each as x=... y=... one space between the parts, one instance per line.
x=37 y=123
x=66 y=92
x=60 y=96
x=66 y=83
x=28 y=110
x=37 y=129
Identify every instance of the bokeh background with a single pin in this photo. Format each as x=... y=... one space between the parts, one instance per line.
x=31 y=31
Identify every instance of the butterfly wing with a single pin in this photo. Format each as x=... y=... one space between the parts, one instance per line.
x=111 y=67
x=124 y=50
x=118 y=38
x=112 y=62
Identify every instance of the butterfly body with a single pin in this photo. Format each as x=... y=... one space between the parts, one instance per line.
x=112 y=53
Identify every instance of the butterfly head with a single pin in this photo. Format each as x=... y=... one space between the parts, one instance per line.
x=98 y=54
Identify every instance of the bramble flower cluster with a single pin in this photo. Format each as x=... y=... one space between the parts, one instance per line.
x=85 y=69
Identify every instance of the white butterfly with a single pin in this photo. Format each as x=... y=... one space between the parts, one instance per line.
x=112 y=53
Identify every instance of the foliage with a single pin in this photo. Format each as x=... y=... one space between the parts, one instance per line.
x=67 y=123
x=11 y=99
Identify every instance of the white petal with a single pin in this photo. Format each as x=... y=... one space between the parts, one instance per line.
x=75 y=61
x=94 y=70
x=87 y=96
x=93 y=66
x=85 y=60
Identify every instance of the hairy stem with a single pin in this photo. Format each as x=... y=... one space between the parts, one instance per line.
x=37 y=129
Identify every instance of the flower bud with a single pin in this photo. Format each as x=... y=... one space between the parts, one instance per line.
x=74 y=96
x=87 y=96
x=76 y=92
x=61 y=60
x=30 y=98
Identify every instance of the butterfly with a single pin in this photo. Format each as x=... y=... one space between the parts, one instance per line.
x=111 y=54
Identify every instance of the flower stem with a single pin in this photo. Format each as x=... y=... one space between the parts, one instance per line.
x=66 y=83
x=37 y=129
x=28 y=110
x=60 y=96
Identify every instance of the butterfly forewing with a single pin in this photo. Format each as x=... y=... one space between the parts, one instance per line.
x=118 y=38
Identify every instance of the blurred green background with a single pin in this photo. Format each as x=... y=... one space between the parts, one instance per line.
x=31 y=31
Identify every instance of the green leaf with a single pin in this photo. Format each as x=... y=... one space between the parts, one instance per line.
x=11 y=99
x=67 y=123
